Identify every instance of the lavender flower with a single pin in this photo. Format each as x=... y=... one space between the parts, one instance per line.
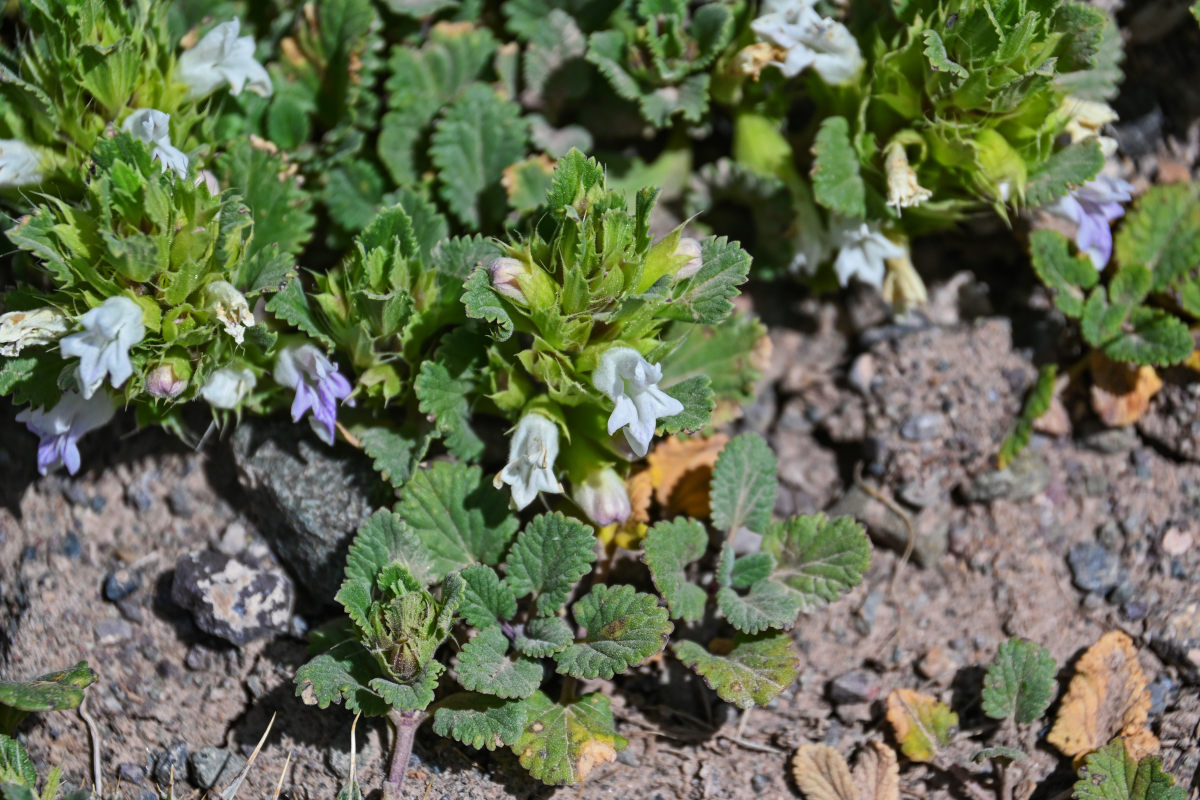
x=223 y=57
x=1093 y=207
x=61 y=428
x=631 y=382
x=109 y=330
x=318 y=386
x=531 y=456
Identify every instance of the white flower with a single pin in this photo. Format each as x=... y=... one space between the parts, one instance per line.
x=809 y=40
x=102 y=347
x=230 y=308
x=631 y=382
x=862 y=252
x=602 y=496
x=20 y=164
x=20 y=329
x=153 y=126
x=1086 y=118
x=227 y=387
x=530 y=467
x=688 y=248
x=903 y=189
x=222 y=57
x=60 y=429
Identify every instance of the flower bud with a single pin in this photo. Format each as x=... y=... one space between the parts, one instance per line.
x=163 y=381
x=688 y=248
x=505 y=273
x=602 y=496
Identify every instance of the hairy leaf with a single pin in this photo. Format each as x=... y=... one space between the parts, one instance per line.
x=1036 y=404
x=817 y=558
x=1068 y=276
x=481 y=302
x=548 y=558
x=479 y=720
x=752 y=672
x=15 y=764
x=383 y=541
x=341 y=675
x=485 y=598
x=696 y=395
x=446 y=398
x=1153 y=337
x=939 y=61
x=624 y=628
x=563 y=742
x=707 y=296
x=921 y=723
x=1019 y=682
x=744 y=485
x=1110 y=773
x=414 y=696
x=836 y=180
x=485 y=666
x=543 y=636
x=1066 y=169
x=668 y=548
x=395 y=453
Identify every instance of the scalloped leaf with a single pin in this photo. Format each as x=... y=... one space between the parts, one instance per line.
x=341 y=675
x=414 y=696
x=768 y=604
x=1019 y=682
x=563 y=742
x=753 y=671
x=707 y=297
x=446 y=398
x=1063 y=171
x=836 y=181
x=395 y=454
x=279 y=205
x=816 y=558
x=744 y=485
x=479 y=720
x=458 y=519
x=485 y=598
x=624 y=628
x=1068 y=276
x=548 y=558
x=1110 y=773
x=696 y=395
x=481 y=302
x=667 y=550
x=485 y=666
x=543 y=636
x=15 y=765
x=290 y=304
x=921 y=723
x=1162 y=233
x=1152 y=338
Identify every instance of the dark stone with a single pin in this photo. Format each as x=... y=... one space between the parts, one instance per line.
x=29 y=553
x=857 y=686
x=134 y=774
x=1162 y=693
x=215 y=766
x=139 y=498
x=71 y=546
x=174 y=757
x=1123 y=592
x=97 y=504
x=1134 y=610
x=760 y=783
x=312 y=499
x=1024 y=478
x=180 y=501
x=1094 y=568
x=232 y=599
x=1174 y=635
x=121 y=583
x=1110 y=441
x=931 y=526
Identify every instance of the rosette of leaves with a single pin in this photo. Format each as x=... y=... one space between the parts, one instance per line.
x=803 y=564
x=19 y=778
x=656 y=55
x=1137 y=315
x=160 y=241
x=509 y=592
x=592 y=278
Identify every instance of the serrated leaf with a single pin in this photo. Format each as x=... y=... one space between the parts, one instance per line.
x=768 y=604
x=548 y=558
x=921 y=723
x=837 y=184
x=458 y=519
x=698 y=401
x=279 y=205
x=479 y=720
x=1068 y=276
x=290 y=304
x=384 y=541
x=564 y=742
x=575 y=176
x=750 y=569
x=543 y=636
x=668 y=548
x=481 y=302
x=55 y=691
x=15 y=764
x=940 y=61
x=446 y=398
x=478 y=136
x=395 y=454
x=1152 y=337
x=725 y=353
x=485 y=666
x=485 y=598
x=1162 y=233
x=753 y=672
x=1040 y=398
x=822 y=773
x=744 y=485
x=341 y=675
x=816 y=558
x=1110 y=773
x=707 y=296
x=624 y=628
x=1101 y=320
x=1019 y=682
x=1006 y=753
x=414 y=696
x=1064 y=170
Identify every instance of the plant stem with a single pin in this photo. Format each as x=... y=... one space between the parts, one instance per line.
x=406 y=724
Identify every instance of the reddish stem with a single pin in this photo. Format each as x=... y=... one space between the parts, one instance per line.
x=406 y=724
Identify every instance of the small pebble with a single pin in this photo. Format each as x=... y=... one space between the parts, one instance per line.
x=215 y=766
x=139 y=498
x=857 y=686
x=29 y=553
x=1094 y=568
x=921 y=427
x=111 y=631
x=179 y=500
x=1109 y=535
x=759 y=782
x=98 y=503
x=129 y=773
x=197 y=657
x=121 y=583
x=1122 y=593
x=1176 y=542
x=936 y=665
x=1162 y=691
x=233 y=540
x=175 y=756
x=628 y=758
x=1134 y=610
x=71 y=546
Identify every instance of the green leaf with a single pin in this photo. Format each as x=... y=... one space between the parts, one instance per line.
x=485 y=598
x=395 y=453
x=723 y=353
x=836 y=181
x=1101 y=321
x=768 y=604
x=460 y=256
x=15 y=764
x=343 y=677
x=290 y=305
x=527 y=182
x=279 y=205
x=1102 y=77
x=1036 y=404
x=1130 y=285
x=543 y=636
x=1068 y=276
x=744 y=485
x=1162 y=233
x=481 y=302
x=414 y=696
x=479 y=720
x=458 y=519
x=484 y=666
x=383 y=541
x=1066 y=169
x=707 y=296
x=267 y=270
x=548 y=558
x=562 y=742
x=1152 y=337
x=1019 y=682
x=939 y=61
x=818 y=559
x=477 y=137
x=696 y=395
x=1111 y=774
x=55 y=691
x=624 y=628
x=754 y=671
x=446 y=398
x=667 y=550
x=575 y=176
x=750 y=569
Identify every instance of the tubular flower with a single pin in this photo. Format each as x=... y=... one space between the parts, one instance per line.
x=227 y=387
x=153 y=126
x=109 y=330
x=61 y=428
x=807 y=39
x=603 y=497
x=631 y=382
x=530 y=467
x=223 y=57
x=1093 y=207
x=862 y=252
x=318 y=385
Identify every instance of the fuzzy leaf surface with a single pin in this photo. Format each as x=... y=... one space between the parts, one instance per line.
x=1019 y=682
x=1066 y=169
x=837 y=183
x=818 y=559
x=1110 y=773
x=548 y=558
x=543 y=636
x=707 y=296
x=744 y=485
x=921 y=723
x=485 y=598
x=479 y=720
x=624 y=628
x=1162 y=233
x=485 y=666
x=481 y=302
x=1068 y=276
x=446 y=398
x=562 y=743
x=667 y=550
x=753 y=672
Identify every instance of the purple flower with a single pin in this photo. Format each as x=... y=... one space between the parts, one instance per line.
x=318 y=384
x=61 y=428
x=1093 y=207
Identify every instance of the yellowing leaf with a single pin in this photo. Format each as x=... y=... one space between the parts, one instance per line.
x=921 y=723
x=822 y=773
x=1121 y=392
x=1106 y=698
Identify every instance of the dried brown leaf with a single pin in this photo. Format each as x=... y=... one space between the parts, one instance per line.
x=1106 y=698
x=676 y=458
x=877 y=773
x=822 y=774
x=1121 y=392
x=640 y=487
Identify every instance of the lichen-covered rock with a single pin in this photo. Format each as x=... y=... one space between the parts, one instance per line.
x=231 y=599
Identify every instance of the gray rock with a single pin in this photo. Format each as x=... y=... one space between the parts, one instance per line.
x=131 y=774
x=1027 y=476
x=215 y=766
x=1093 y=568
x=1175 y=635
x=760 y=782
x=922 y=427
x=1110 y=441
x=111 y=631
x=931 y=526
x=121 y=583
x=232 y=599
x=173 y=760
x=628 y=758
x=180 y=501
x=857 y=686
x=312 y=499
